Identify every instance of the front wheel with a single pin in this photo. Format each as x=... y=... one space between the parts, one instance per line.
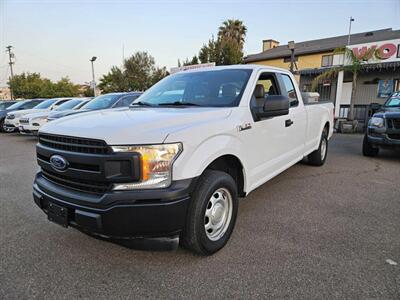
x=211 y=214
x=318 y=157
x=368 y=148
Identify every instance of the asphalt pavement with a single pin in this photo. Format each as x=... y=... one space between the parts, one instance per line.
x=310 y=233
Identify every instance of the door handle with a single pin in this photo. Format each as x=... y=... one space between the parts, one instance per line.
x=288 y=123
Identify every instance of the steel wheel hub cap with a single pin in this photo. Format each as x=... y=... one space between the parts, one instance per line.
x=218 y=214
x=323 y=149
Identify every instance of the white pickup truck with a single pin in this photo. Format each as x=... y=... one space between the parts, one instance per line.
x=175 y=163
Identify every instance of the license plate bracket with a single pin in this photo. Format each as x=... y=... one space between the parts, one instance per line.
x=57 y=214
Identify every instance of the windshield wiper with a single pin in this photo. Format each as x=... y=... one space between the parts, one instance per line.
x=177 y=103
x=142 y=103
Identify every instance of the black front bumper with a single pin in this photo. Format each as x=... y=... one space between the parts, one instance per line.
x=384 y=138
x=120 y=215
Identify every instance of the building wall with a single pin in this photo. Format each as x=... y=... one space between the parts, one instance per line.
x=367 y=86
x=5 y=93
x=303 y=61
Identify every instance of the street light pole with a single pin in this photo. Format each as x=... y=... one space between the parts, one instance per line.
x=292 y=58
x=93 y=79
x=10 y=56
x=348 y=38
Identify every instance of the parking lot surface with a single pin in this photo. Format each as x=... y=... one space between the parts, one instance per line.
x=329 y=232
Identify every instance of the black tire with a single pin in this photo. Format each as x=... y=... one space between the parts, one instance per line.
x=1 y=125
x=316 y=158
x=194 y=236
x=368 y=149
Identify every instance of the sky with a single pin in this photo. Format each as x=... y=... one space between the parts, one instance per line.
x=57 y=38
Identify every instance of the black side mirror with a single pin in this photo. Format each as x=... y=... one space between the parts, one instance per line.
x=275 y=105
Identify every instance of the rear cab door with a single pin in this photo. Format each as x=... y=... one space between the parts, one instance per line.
x=296 y=121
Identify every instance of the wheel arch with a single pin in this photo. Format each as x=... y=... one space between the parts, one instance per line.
x=231 y=165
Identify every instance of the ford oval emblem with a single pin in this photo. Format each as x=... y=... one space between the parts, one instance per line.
x=58 y=163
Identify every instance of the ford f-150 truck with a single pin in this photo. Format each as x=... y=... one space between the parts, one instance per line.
x=383 y=129
x=176 y=161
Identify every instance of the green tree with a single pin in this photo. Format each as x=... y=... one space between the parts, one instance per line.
x=227 y=49
x=233 y=29
x=31 y=85
x=352 y=64
x=138 y=73
x=65 y=88
x=114 y=81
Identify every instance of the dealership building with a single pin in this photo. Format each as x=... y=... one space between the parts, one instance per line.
x=379 y=75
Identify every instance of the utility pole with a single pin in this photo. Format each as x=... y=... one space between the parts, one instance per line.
x=348 y=38
x=93 y=79
x=291 y=46
x=11 y=56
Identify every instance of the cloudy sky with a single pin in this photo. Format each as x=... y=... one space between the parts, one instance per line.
x=57 y=38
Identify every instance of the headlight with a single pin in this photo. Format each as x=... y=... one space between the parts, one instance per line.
x=377 y=122
x=10 y=117
x=156 y=165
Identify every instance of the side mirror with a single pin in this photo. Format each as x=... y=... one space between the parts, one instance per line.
x=275 y=105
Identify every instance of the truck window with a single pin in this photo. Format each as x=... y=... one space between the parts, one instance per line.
x=290 y=90
x=269 y=83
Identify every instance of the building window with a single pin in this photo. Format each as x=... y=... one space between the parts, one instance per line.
x=327 y=60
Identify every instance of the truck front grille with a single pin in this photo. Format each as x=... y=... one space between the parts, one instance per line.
x=83 y=185
x=394 y=136
x=394 y=123
x=74 y=144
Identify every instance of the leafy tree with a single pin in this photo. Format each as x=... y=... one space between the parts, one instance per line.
x=138 y=73
x=114 y=81
x=233 y=30
x=31 y=85
x=65 y=88
x=227 y=49
x=352 y=64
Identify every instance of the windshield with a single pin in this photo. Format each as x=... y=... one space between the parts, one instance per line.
x=102 y=102
x=218 y=88
x=45 y=104
x=4 y=105
x=69 y=104
x=394 y=100
x=17 y=105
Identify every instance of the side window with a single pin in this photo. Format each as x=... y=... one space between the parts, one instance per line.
x=290 y=90
x=125 y=101
x=267 y=85
x=60 y=102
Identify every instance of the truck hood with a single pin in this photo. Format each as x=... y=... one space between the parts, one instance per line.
x=389 y=113
x=37 y=114
x=60 y=114
x=138 y=125
x=20 y=113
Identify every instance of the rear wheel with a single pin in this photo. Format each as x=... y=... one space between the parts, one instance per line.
x=318 y=157
x=369 y=149
x=211 y=214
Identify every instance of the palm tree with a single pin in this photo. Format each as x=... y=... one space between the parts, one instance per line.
x=352 y=64
x=233 y=29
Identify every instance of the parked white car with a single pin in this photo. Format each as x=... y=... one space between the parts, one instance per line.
x=30 y=123
x=11 y=123
x=175 y=163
